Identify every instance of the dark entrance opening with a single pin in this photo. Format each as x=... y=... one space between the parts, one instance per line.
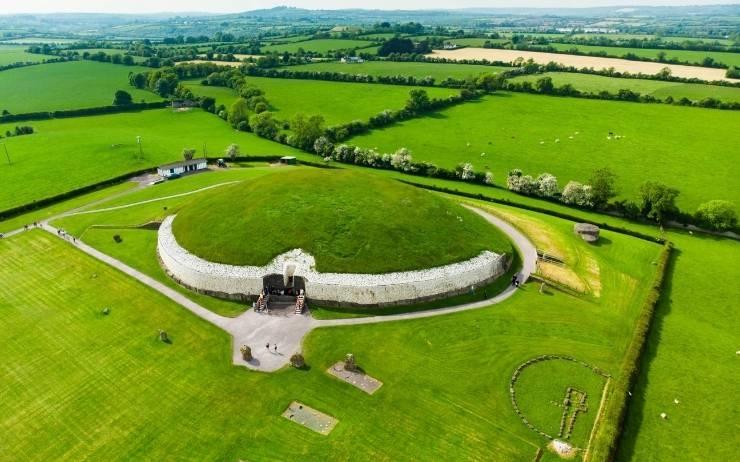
x=275 y=284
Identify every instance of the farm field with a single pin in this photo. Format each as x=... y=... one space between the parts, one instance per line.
x=690 y=56
x=321 y=46
x=595 y=330
x=579 y=61
x=519 y=131
x=657 y=88
x=338 y=102
x=93 y=155
x=663 y=38
x=439 y=71
x=474 y=42
x=11 y=54
x=69 y=85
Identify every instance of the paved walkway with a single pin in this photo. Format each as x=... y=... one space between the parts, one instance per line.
x=257 y=330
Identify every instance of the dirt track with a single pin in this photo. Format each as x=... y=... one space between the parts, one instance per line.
x=620 y=65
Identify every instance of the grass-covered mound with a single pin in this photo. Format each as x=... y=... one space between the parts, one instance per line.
x=350 y=222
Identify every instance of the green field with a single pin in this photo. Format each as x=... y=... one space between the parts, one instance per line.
x=11 y=54
x=350 y=222
x=509 y=128
x=656 y=88
x=690 y=56
x=338 y=102
x=167 y=393
x=93 y=149
x=70 y=85
x=320 y=46
x=439 y=71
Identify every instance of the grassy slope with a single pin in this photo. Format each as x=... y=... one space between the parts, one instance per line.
x=70 y=85
x=691 y=56
x=338 y=102
x=157 y=400
x=92 y=149
x=680 y=146
x=659 y=89
x=350 y=222
x=390 y=68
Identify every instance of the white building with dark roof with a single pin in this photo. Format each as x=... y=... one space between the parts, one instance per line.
x=182 y=167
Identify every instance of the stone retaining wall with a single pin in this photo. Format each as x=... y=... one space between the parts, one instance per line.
x=326 y=288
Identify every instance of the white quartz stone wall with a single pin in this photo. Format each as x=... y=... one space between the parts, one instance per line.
x=338 y=288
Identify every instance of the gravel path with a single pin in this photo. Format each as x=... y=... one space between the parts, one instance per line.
x=258 y=330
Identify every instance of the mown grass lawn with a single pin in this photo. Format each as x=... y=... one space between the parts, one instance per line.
x=439 y=71
x=65 y=154
x=131 y=397
x=656 y=88
x=686 y=148
x=70 y=85
x=338 y=102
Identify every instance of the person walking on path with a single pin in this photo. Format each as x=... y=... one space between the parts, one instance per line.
x=513 y=280
x=276 y=348
x=268 y=346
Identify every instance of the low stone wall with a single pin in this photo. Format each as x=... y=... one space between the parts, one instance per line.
x=326 y=288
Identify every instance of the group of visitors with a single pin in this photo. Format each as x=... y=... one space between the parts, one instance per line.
x=515 y=280
x=63 y=234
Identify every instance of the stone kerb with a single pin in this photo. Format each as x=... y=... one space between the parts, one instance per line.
x=332 y=288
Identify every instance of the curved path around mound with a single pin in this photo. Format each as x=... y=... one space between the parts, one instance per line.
x=257 y=330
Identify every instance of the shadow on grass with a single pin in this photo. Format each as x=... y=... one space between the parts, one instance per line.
x=636 y=404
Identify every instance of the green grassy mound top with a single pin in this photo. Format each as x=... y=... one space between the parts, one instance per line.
x=350 y=222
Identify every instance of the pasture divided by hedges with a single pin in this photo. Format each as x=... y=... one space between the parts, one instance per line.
x=658 y=88
x=687 y=148
x=338 y=102
x=418 y=70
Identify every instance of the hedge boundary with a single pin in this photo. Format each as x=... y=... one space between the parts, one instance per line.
x=609 y=432
x=66 y=113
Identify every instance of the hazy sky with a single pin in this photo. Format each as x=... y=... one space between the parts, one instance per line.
x=229 y=6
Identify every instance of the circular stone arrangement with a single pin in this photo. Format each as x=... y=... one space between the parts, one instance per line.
x=566 y=425
x=381 y=242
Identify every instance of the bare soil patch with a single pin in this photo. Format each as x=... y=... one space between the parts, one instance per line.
x=619 y=65
x=355 y=378
x=310 y=418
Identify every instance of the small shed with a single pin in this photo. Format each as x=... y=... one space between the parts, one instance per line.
x=587 y=231
x=182 y=167
x=288 y=160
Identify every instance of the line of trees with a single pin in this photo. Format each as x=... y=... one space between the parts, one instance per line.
x=545 y=85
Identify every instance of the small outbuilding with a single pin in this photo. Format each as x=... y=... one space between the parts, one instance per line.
x=180 y=168
x=587 y=231
x=288 y=160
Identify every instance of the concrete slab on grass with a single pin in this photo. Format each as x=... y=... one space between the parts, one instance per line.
x=310 y=418
x=357 y=379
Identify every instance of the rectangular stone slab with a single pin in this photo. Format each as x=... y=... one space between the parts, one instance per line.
x=310 y=418
x=357 y=379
